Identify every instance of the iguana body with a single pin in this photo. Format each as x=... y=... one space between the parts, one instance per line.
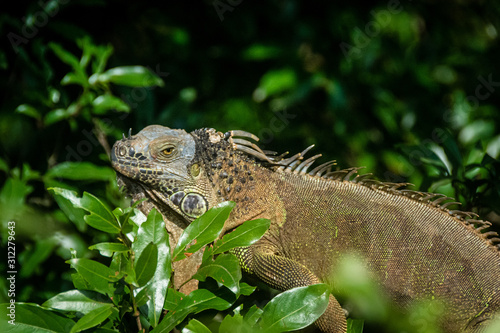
x=414 y=245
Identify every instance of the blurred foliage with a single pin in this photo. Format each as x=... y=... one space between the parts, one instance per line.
x=407 y=89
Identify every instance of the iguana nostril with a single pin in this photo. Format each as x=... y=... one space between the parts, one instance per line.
x=122 y=151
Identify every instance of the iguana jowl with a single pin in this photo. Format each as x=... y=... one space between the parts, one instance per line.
x=415 y=246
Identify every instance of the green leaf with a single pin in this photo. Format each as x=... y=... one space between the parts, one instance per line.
x=35 y=257
x=252 y=316
x=259 y=52
x=82 y=301
x=295 y=308
x=173 y=299
x=34 y=318
x=107 y=102
x=65 y=56
x=195 y=326
x=74 y=78
x=277 y=81
x=245 y=235
x=55 y=116
x=246 y=289
x=146 y=264
x=92 y=319
x=100 y=216
x=29 y=111
x=133 y=76
x=102 y=54
x=79 y=282
x=452 y=152
x=107 y=249
x=203 y=230
x=81 y=171
x=423 y=154
x=225 y=270
x=355 y=325
x=122 y=264
x=3 y=165
x=196 y=301
x=153 y=230
x=96 y=274
x=70 y=204
x=234 y=324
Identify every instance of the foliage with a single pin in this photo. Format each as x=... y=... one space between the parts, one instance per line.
x=407 y=89
x=131 y=292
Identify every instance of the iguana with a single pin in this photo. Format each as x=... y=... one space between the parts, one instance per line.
x=416 y=247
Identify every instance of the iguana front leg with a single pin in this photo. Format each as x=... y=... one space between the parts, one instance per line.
x=283 y=274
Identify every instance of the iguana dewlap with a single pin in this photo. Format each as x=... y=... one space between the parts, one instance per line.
x=414 y=245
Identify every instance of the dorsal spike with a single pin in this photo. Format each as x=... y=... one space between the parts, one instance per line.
x=253 y=152
x=302 y=168
x=248 y=144
x=360 y=178
x=439 y=200
x=445 y=205
x=297 y=156
x=242 y=134
x=318 y=171
x=352 y=172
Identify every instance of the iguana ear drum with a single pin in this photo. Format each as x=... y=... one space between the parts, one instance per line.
x=194 y=205
x=191 y=204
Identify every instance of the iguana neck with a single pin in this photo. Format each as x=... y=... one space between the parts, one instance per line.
x=237 y=177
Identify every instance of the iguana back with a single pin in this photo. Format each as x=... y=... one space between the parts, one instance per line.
x=414 y=245
x=415 y=249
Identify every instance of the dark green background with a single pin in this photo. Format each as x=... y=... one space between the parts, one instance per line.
x=387 y=86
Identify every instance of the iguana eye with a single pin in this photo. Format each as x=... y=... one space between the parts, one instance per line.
x=168 y=151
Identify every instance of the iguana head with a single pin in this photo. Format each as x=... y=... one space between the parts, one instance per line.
x=192 y=172
x=164 y=163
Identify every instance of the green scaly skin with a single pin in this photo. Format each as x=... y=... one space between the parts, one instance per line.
x=410 y=241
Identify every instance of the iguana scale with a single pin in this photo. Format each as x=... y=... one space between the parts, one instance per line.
x=416 y=247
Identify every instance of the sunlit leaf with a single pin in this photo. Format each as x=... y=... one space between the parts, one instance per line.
x=92 y=319
x=195 y=326
x=355 y=325
x=145 y=265
x=64 y=55
x=29 y=111
x=80 y=171
x=295 y=308
x=33 y=318
x=100 y=216
x=153 y=230
x=107 y=249
x=82 y=301
x=96 y=274
x=235 y=324
x=244 y=235
x=196 y=301
x=252 y=316
x=103 y=103
x=203 y=230
x=134 y=76
x=71 y=205
x=225 y=269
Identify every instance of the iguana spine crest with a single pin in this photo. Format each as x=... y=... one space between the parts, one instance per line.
x=297 y=165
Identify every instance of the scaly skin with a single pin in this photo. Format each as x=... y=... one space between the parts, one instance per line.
x=414 y=246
